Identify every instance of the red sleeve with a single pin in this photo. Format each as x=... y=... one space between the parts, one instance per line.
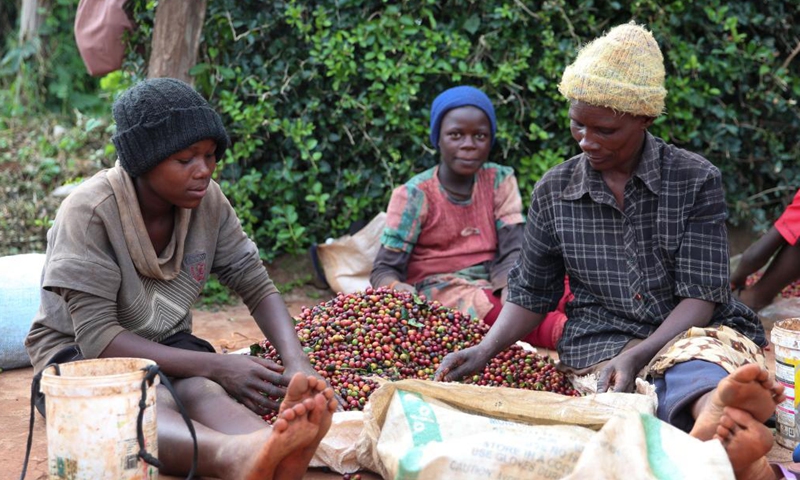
x=789 y=222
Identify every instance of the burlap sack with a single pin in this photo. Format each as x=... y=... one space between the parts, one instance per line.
x=427 y=430
x=337 y=450
x=347 y=261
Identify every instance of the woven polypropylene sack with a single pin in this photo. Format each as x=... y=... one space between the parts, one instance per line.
x=20 y=277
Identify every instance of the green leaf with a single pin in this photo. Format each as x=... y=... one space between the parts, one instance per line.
x=226 y=72
x=415 y=323
x=472 y=24
x=199 y=69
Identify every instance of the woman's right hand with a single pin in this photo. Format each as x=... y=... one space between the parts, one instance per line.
x=257 y=383
x=462 y=363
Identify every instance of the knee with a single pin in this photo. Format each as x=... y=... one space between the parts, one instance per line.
x=197 y=387
x=165 y=399
x=190 y=391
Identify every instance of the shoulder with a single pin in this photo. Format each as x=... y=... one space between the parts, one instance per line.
x=215 y=198
x=556 y=179
x=497 y=173
x=86 y=221
x=418 y=185
x=421 y=180
x=497 y=169
x=677 y=162
x=89 y=196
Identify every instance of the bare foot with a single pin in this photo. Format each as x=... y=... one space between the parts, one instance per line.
x=285 y=450
x=294 y=465
x=747 y=441
x=309 y=391
x=301 y=387
x=259 y=455
x=749 y=388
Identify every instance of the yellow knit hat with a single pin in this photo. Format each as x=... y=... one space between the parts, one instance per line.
x=622 y=70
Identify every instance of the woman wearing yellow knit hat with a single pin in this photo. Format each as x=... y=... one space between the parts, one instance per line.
x=638 y=225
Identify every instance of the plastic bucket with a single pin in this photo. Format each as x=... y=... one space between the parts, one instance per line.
x=786 y=342
x=92 y=409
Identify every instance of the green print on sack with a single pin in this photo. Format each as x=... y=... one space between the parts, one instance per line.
x=424 y=429
x=661 y=464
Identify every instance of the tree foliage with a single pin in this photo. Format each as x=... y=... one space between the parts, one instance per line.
x=327 y=101
x=44 y=74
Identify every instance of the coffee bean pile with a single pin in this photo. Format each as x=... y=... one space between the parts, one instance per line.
x=399 y=335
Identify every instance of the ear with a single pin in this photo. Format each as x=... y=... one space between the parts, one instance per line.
x=647 y=121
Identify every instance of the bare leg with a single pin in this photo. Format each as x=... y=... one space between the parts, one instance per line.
x=750 y=388
x=219 y=454
x=208 y=403
x=782 y=271
x=266 y=453
x=747 y=442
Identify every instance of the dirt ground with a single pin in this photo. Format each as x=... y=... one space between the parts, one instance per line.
x=228 y=329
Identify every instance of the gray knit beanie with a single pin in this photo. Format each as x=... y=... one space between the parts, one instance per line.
x=158 y=117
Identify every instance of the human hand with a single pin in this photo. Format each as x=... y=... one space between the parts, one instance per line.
x=460 y=364
x=256 y=382
x=404 y=287
x=738 y=282
x=619 y=375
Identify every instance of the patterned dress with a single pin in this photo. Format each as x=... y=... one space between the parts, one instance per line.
x=453 y=245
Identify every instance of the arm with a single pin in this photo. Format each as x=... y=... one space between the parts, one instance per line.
x=620 y=373
x=238 y=265
x=513 y=323
x=509 y=224
x=509 y=244
x=274 y=320
x=404 y=216
x=535 y=283
x=756 y=256
x=99 y=335
x=389 y=268
x=250 y=380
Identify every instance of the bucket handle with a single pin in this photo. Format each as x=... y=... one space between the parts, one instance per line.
x=150 y=373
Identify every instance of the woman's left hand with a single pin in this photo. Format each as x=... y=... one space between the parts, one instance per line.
x=619 y=375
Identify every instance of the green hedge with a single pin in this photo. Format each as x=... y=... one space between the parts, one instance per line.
x=327 y=101
x=44 y=75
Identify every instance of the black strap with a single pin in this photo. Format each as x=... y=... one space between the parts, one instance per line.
x=34 y=385
x=150 y=373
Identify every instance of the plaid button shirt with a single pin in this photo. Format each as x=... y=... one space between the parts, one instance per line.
x=629 y=268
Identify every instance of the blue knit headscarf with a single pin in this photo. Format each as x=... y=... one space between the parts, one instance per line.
x=455 y=97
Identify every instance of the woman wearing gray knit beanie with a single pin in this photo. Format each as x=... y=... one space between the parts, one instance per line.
x=127 y=256
x=638 y=226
